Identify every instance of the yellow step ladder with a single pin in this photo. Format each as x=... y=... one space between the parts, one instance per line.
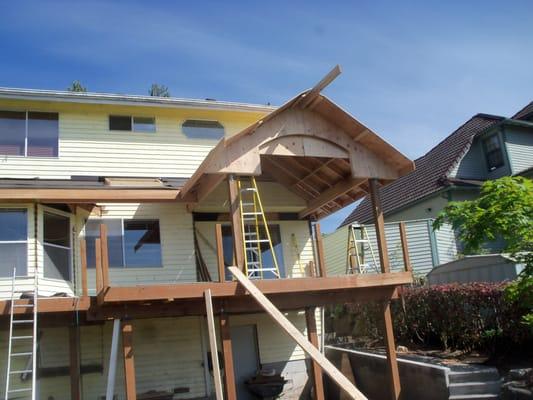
x=255 y=231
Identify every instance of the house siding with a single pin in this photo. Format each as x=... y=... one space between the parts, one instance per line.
x=88 y=147
x=519 y=144
x=419 y=243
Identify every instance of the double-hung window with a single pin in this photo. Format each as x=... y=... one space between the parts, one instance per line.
x=57 y=246
x=13 y=242
x=132 y=243
x=28 y=133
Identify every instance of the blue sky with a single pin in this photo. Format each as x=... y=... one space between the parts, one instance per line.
x=413 y=71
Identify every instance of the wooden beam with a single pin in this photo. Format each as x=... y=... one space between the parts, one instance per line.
x=296 y=286
x=74 y=352
x=83 y=266
x=129 y=360
x=98 y=265
x=330 y=194
x=321 y=259
x=312 y=335
x=236 y=223
x=302 y=341
x=90 y=195
x=220 y=253
x=392 y=364
x=104 y=255
x=405 y=247
x=315 y=91
x=213 y=344
x=227 y=352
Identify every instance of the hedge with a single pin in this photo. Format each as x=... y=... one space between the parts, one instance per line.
x=453 y=316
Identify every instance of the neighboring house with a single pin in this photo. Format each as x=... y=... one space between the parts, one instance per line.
x=484 y=147
x=127 y=209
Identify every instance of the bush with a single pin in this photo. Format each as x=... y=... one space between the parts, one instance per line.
x=454 y=316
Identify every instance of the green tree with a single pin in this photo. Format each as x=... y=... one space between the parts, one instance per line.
x=159 y=90
x=504 y=209
x=76 y=86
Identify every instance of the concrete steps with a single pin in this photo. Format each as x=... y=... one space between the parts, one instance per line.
x=473 y=385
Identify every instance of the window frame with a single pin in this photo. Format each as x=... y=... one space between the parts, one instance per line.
x=26 y=241
x=132 y=123
x=71 y=249
x=26 y=125
x=122 y=230
x=203 y=138
x=487 y=153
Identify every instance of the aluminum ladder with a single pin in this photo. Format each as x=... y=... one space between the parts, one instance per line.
x=19 y=342
x=358 y=246
x=255 y=230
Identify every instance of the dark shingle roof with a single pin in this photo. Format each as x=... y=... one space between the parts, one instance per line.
x=525 y=112
x=430 y=173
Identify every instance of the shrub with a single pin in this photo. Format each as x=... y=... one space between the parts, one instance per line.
x=453 y=316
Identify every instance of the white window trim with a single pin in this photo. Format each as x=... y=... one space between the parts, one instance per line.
x=122 y=219
x=50 y=210
x=27 y=241
x=25 y=155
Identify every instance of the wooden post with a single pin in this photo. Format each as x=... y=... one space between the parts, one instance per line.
x=220 y=253
x=129 y=361
x=405 y=248
x=105 y=256
x=394 y=375
x=320 y=251
x=83 y=264
x=313 y=338
x=227 y=350
x=74 y=351
x=98 y=265
x=236 y=223
x=213 y=344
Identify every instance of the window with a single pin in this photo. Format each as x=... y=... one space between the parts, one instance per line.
x=13 y=242
x=266 y=254
x=33 y=134
x=129 y=123
x=131 y=243
x=493 y=152
x=56 y=245
x=200 y=129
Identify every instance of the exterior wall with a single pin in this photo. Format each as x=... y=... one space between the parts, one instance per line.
x=426 y=248
x=297 y=252
x=171 y=346
x=426 y=208
x=519 y=144
x=177 y=245
x=88 y=147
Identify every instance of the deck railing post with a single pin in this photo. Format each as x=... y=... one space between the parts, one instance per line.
x=320 y=251
x=236 y=227
x=83 y=265
x=394 y=374
x=220 y=253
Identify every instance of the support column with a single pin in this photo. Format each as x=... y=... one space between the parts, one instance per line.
x=129 y=361
x=74 y=350
x=236 y=223
x=227 y=351
x=320 y=251
x=220 y=253
x=313 y=338
x=394 y=375
x=83 y=264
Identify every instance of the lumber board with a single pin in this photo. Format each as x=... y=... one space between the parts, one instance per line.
x=302 y=341
x=90 y=195
x=312 y=335
x=213 y=344
x=129 y=360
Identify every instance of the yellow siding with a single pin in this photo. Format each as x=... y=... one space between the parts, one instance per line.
x=88 y=147
x=177 y=245
x=335 y=251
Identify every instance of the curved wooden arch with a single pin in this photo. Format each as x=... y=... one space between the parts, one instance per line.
x=300 y=145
